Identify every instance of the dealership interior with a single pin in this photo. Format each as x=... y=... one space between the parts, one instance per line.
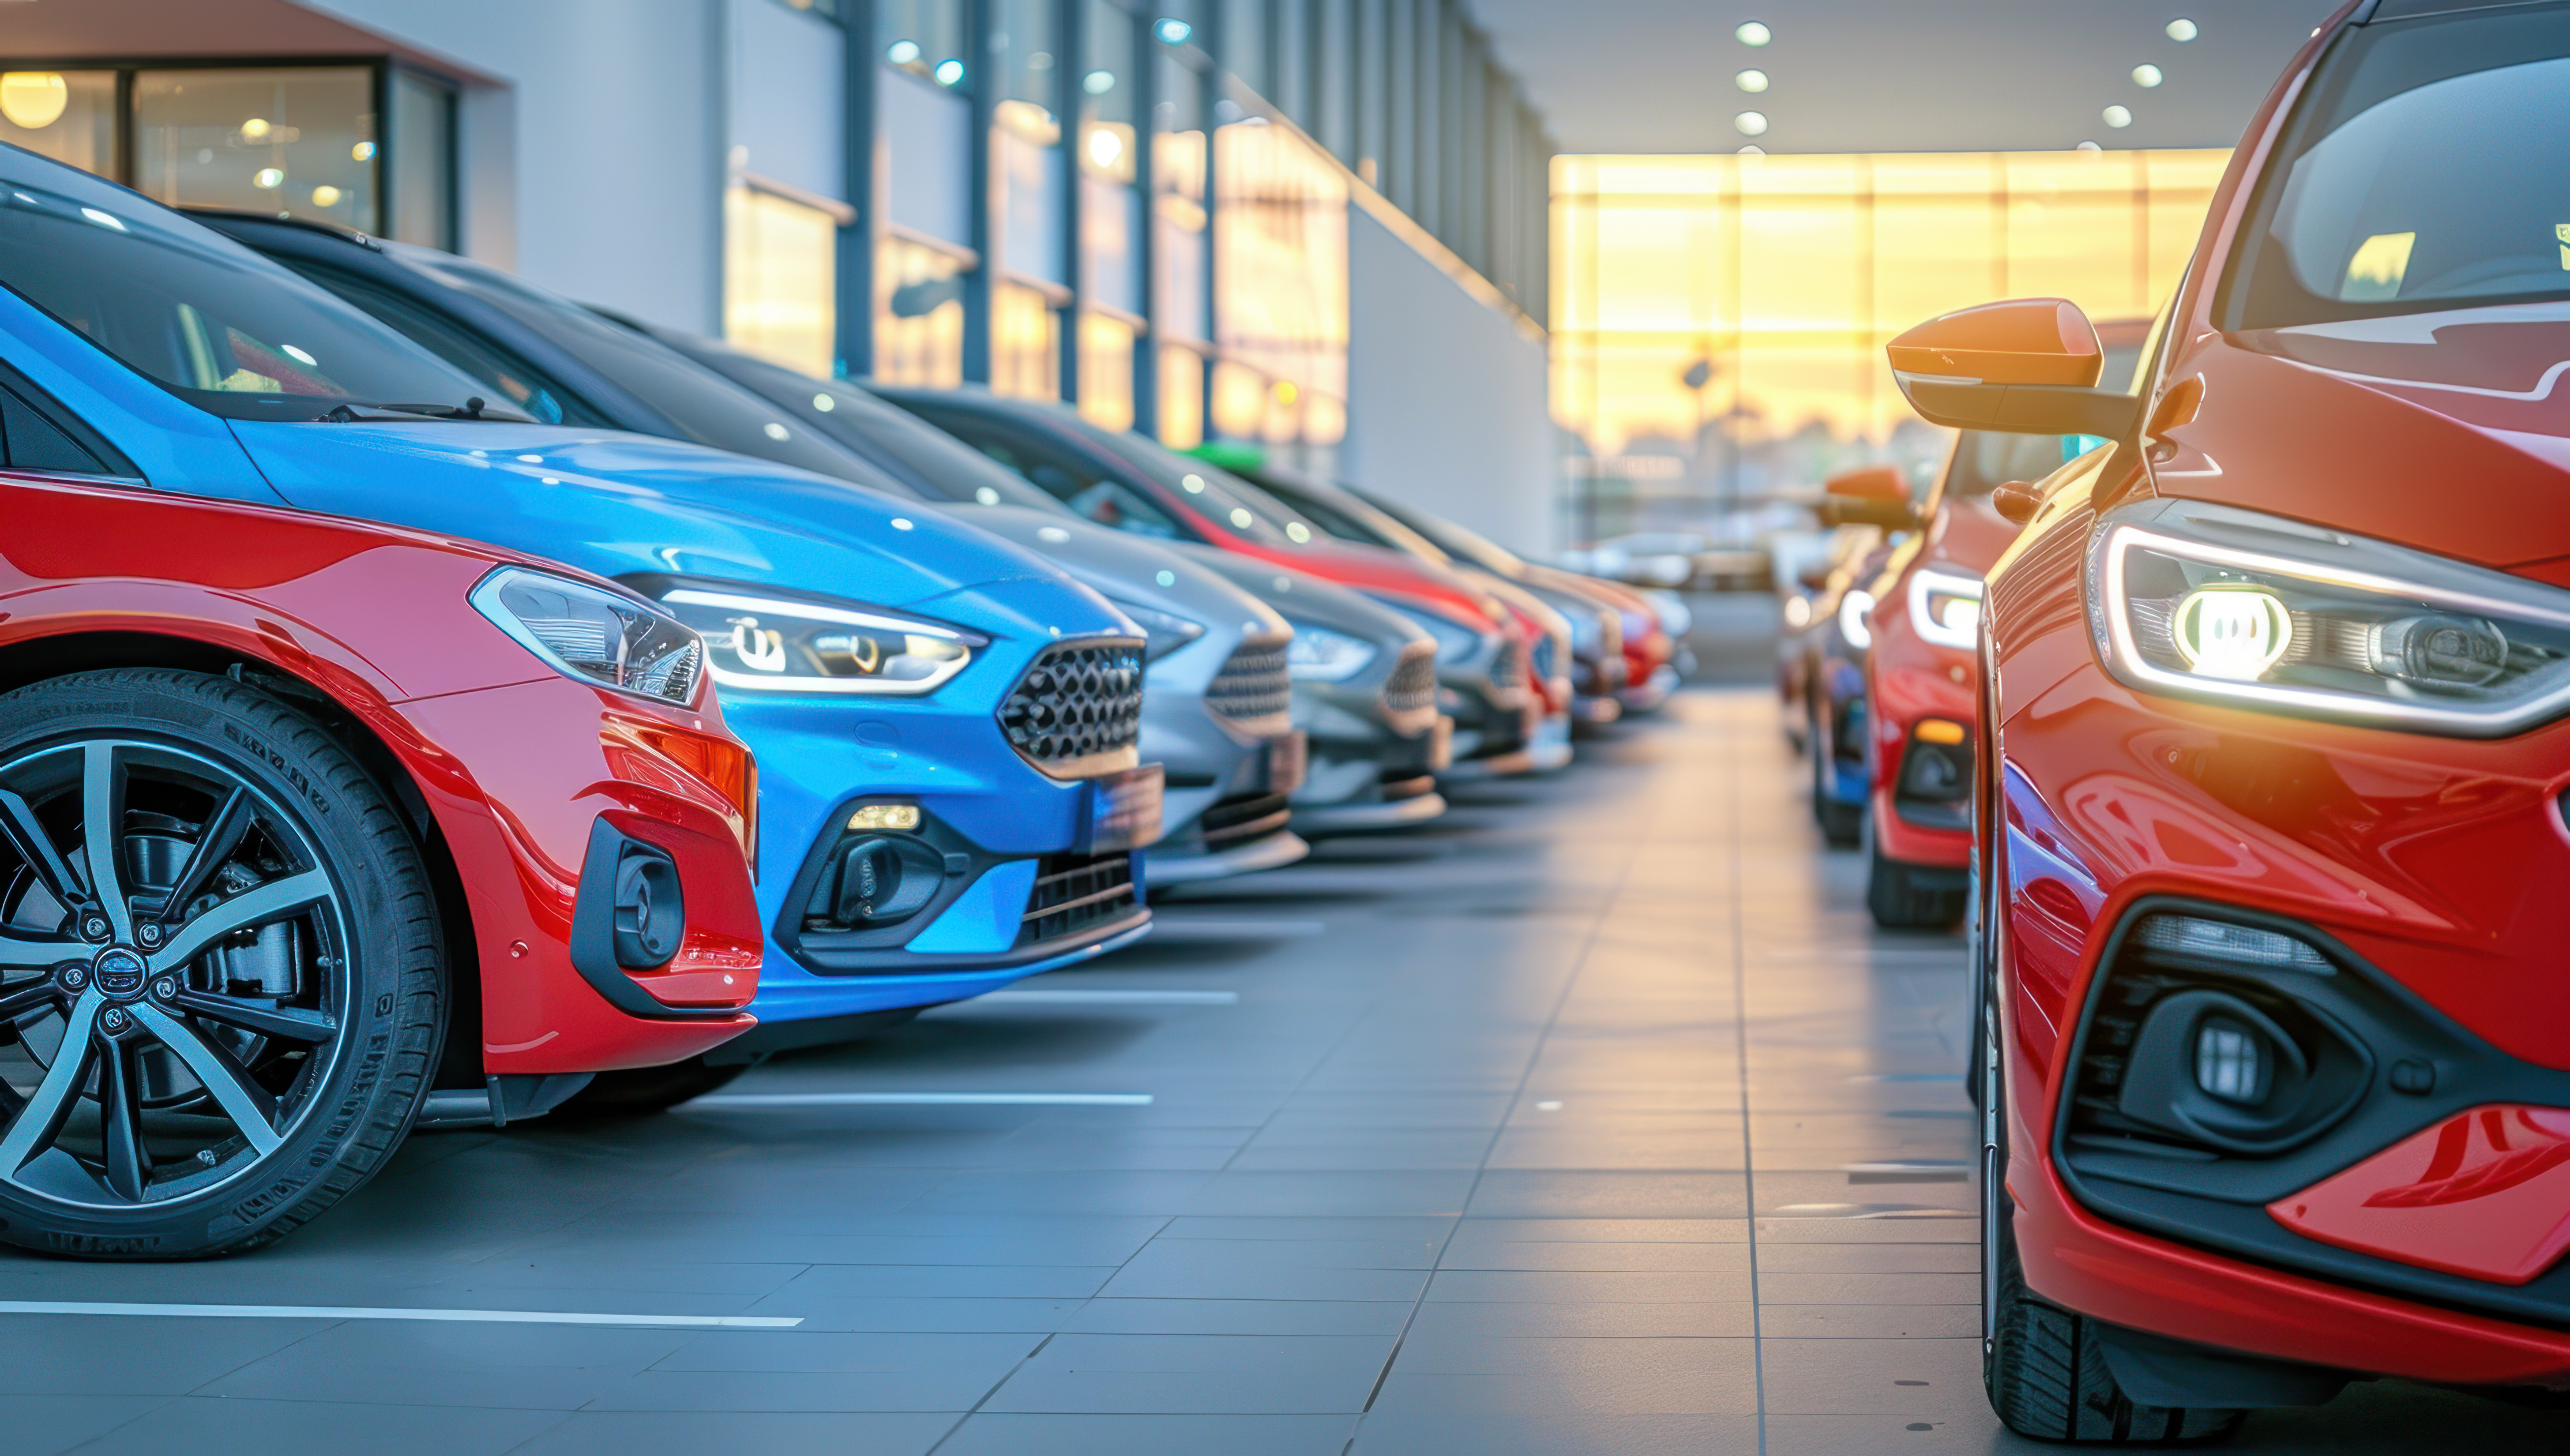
x=1634 y=949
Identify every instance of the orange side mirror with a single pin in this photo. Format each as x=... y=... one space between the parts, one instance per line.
x=2029 y=366
x=2016 y=501
x=1875 y=495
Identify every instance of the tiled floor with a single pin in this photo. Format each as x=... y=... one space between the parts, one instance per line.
x=1469 y=1166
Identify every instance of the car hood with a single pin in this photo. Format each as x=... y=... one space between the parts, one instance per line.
x=1126 y=568
x=2444 y=431
x=1304 y=598
x=620 y=504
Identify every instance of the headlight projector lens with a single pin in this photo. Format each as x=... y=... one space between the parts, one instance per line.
x=2232 y=631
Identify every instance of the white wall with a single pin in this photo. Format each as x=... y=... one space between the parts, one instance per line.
x=615 y=119
x=1448 y=406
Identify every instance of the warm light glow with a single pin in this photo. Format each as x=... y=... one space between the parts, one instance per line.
x=885 y=816
x=255 y=130
x=268 y=179
x=362 y=152
x=1939 y=730
x=325 y=195
x=1753 y=34
x=1752 y=81
x=2376 y=272
x=781 y=276
x=2118 y=117
x=2232 y=633
x=1104 y=149
x=32 y=100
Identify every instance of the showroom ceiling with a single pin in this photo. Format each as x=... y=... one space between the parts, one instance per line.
x=1880 y=76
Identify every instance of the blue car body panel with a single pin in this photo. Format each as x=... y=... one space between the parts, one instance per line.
x=621 y=505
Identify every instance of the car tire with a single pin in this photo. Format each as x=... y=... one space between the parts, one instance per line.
x=293 y=1049
x=1840 y=824
x=1899 y=902
x=2044 y=1367
x=641 y=1091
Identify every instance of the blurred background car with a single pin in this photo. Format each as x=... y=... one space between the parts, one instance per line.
x=1121 y=480
x=1680 y=560
x=1820 y=656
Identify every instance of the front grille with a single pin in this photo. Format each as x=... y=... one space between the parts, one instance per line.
x=1507 y=667
x=1253 y=683
x=1412 y=685
x=1248 y=817
x=1075 y=892
x=1543 y=659
x=1078 y=708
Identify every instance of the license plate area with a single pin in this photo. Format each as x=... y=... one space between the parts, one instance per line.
x=1125 y=810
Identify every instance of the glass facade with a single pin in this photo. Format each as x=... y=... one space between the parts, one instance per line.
x=305 y=140
x=780 y=286
x=1718 y=321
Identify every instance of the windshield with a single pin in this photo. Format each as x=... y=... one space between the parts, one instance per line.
x=2423 y=174
x=1217 y=493
x=197 y=313
x=706 y=407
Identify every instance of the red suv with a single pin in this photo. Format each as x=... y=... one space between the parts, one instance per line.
x=310 y=829
x=2276 y=731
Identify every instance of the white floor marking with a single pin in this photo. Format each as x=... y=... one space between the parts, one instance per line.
x=335 y=1311
x=1101 y=996
x=924 y=1098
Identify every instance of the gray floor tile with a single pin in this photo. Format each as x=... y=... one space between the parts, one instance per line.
x=40 y=1425
x=1140 y=1373
x=205 y=1426
x=738 y=1433
x=993 y=1433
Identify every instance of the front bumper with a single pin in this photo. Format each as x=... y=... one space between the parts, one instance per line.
x=2407 y=862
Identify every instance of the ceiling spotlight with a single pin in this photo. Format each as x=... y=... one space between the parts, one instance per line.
x=1173 y=32
x=1752 y=81
x=2118 y=117
x=1753 y=34
x=1753 y=149
x=2181 y=30
x=949 y=72
x=902 y=53
x=2147 y=77
x=2087 y=146
x=1749 y=123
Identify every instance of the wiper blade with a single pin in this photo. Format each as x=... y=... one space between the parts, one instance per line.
x=471 y=409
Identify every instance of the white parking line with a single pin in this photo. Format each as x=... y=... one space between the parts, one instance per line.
x=335 y=1311
x=924 y=1098
x=1101 y=996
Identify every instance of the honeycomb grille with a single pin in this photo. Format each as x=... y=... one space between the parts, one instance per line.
x=1253 y=683
x=1079 y=709
x=1412 y=685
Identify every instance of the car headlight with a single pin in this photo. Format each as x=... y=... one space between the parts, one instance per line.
x=1318 y=655
x=1945 y=608
x=594 y=635
x=1163 y=632
x=1851 y=623
x=792 y=645
x=2230 y=606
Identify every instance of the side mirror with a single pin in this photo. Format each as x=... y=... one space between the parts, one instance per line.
x=2016 y=501
x=2025 y=367
x=1875 y=495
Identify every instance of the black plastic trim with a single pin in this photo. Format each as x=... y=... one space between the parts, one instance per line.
x=593 y=930
x=2187 y=1201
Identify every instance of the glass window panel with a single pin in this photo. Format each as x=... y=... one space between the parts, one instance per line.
x=780 y=280
x=298 y=139
x=1107 y=371
x=1024 y=47
x=1282 y=306
x=1181 y=398
x=69 y=116
x=918 y=36
x=420 y=160
x=918 y=314
x=1025 y=343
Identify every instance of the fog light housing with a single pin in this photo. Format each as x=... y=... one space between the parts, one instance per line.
x=874 y=881
x=650 y=911
x=2230 y=1061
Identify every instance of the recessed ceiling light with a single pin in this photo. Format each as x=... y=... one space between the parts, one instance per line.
x=1751 y=81
x=1754 y=34
x=1749 y=123
x=2118 y=117
x=2181 y=29
x=2087 y=146
x=1753 y=149
x=2147 y=77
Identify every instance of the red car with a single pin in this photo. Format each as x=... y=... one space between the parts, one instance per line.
x=310 y=829
x=2276 y=1047
x=1922 y=682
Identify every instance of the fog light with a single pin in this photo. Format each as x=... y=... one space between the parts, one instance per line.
x=2222 y=941
x=650 y=912
x=884 y=816
x=2230 y=1061
x=1938 y=730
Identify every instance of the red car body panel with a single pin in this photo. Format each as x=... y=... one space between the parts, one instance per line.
x=1908 y=679
x=2416 y=852
x=513 y=761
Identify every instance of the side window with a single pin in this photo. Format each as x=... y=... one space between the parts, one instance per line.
x=1065 y=477
x=506 y=376
x=1113 y=504
x=37 y=434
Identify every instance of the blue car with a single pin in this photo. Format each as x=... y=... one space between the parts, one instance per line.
x=949 y=797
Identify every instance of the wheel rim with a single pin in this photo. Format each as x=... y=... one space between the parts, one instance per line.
x=173 y=989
